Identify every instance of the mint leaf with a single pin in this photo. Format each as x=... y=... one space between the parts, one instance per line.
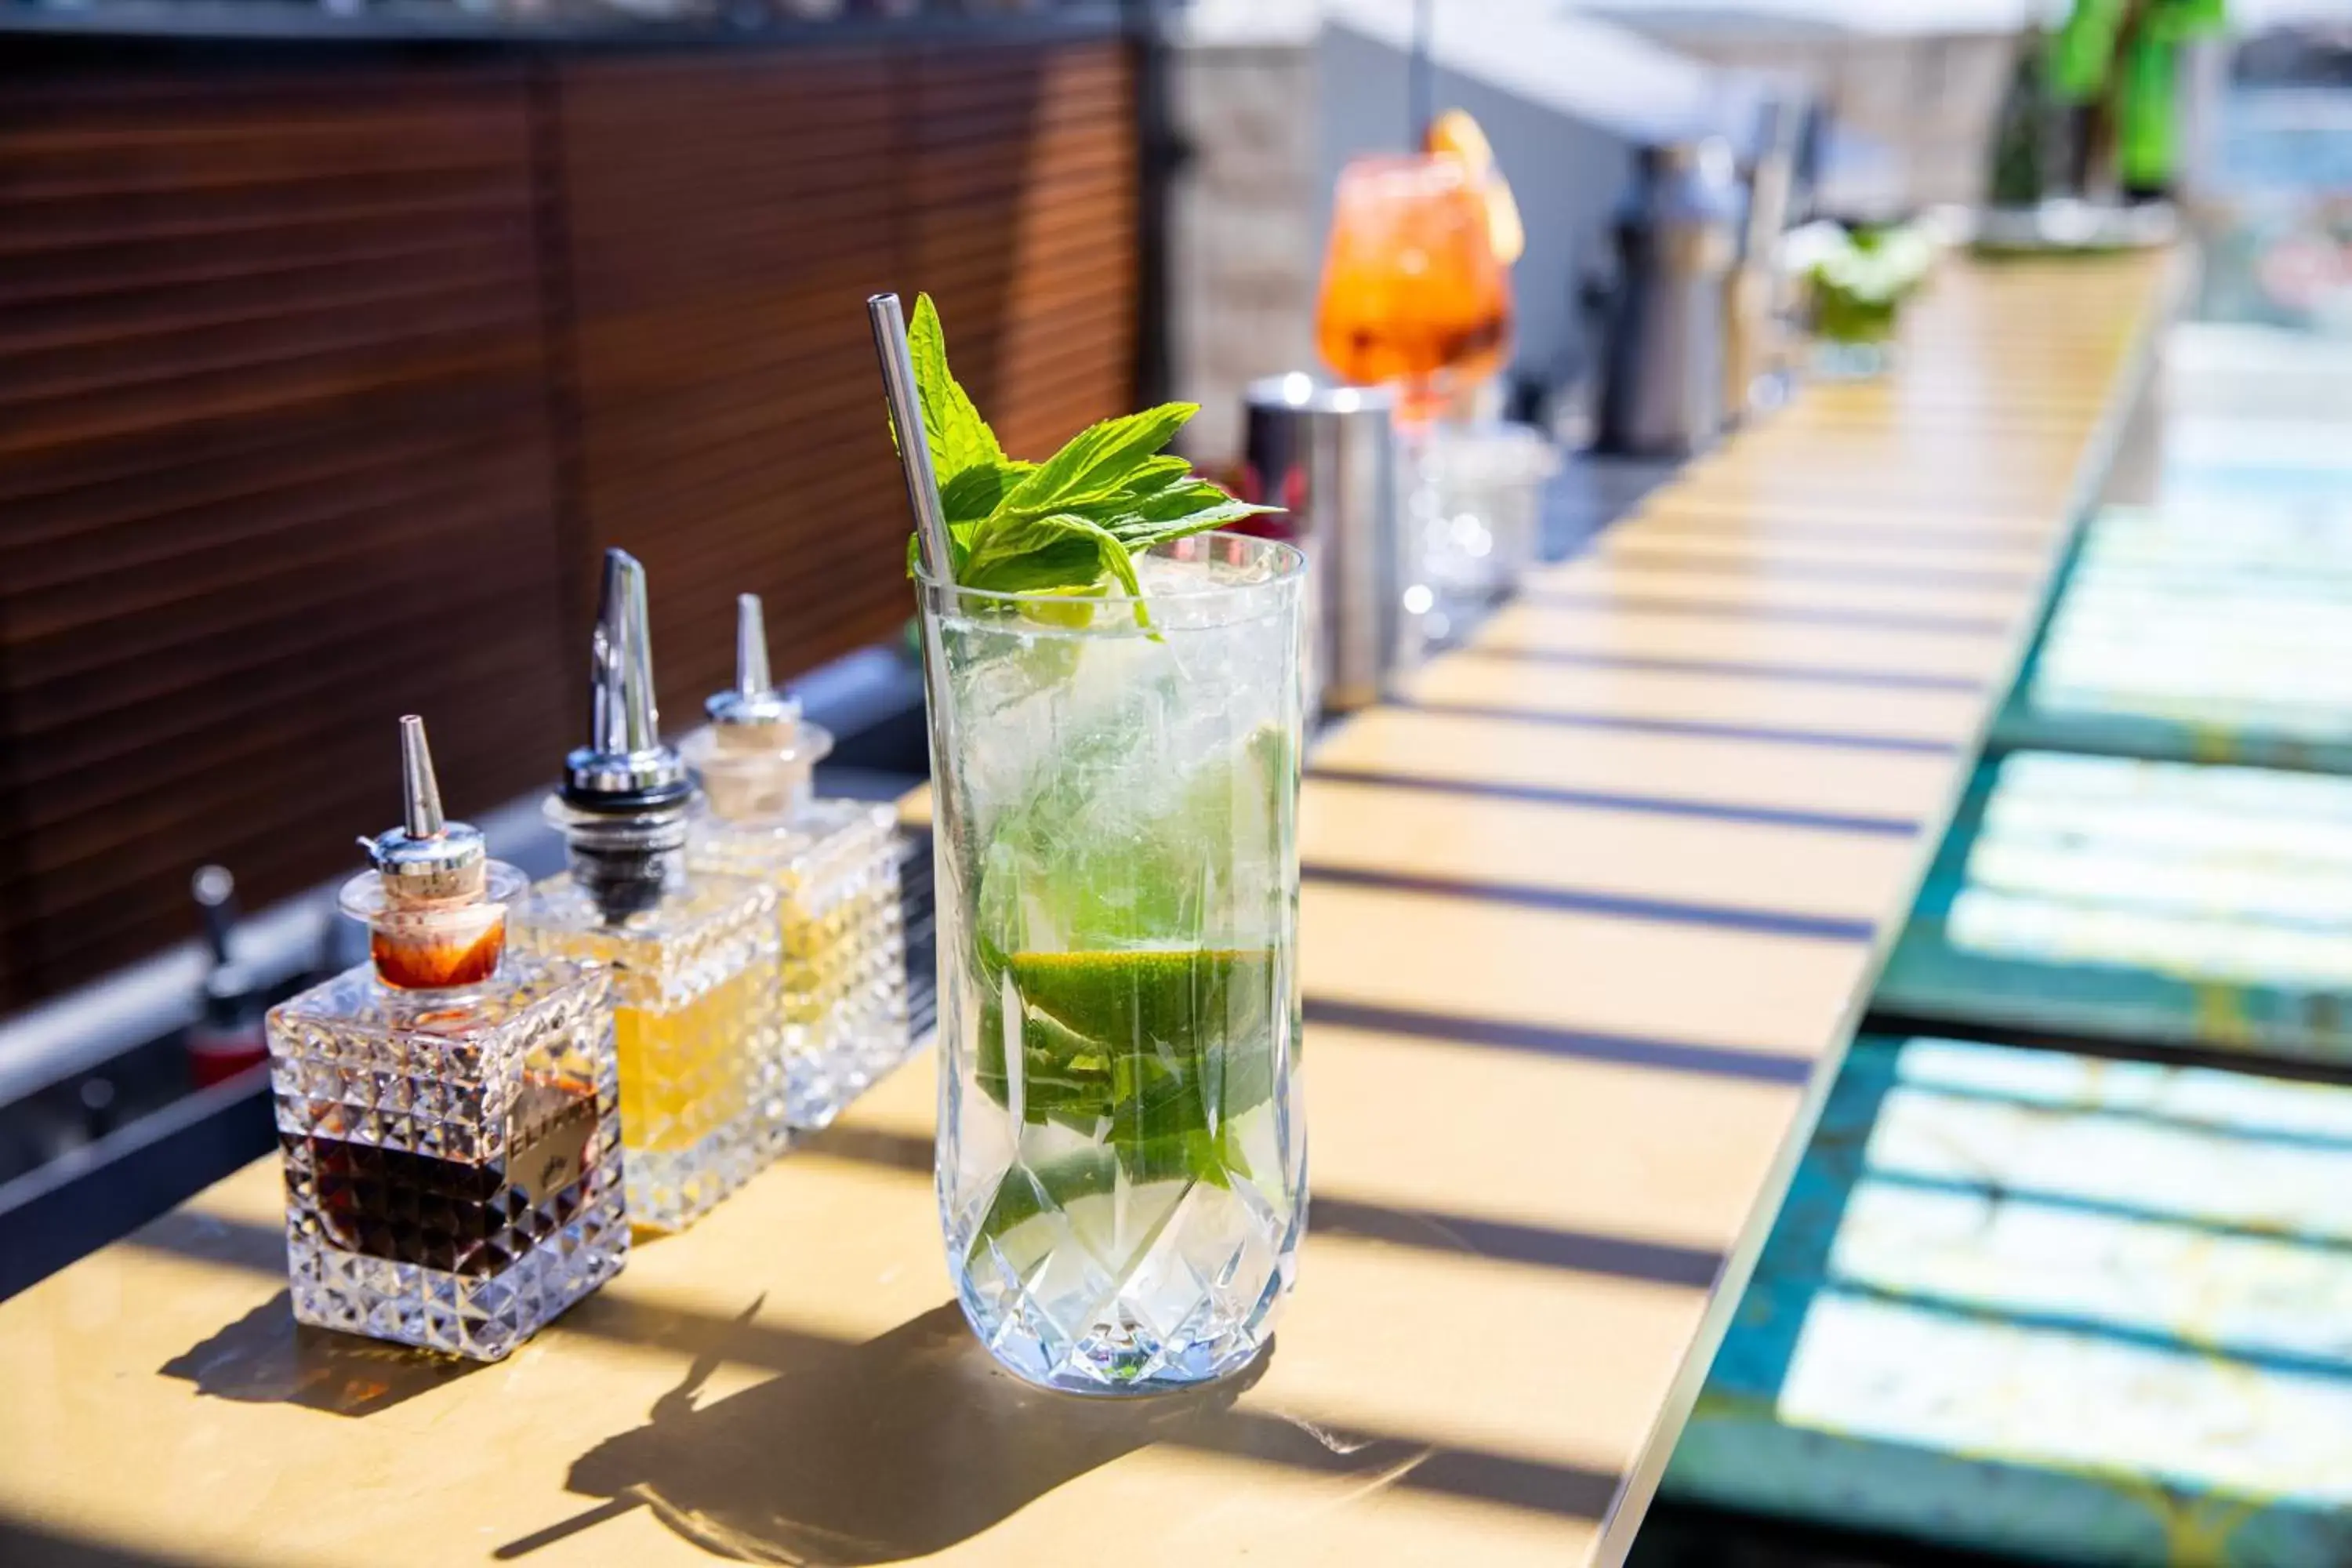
x=958 y=435
x=1138 y=533
x=1180 y=501
x=1154 y=475
x=959 y=547
x=968 y=500
x=1071 y=523
x=1067 y=560
x=974 y=493
x=1062 y=551
x=1011 y=554
x=1098 y=461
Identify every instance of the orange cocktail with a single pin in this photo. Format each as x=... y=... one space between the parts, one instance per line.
x=1413 y=293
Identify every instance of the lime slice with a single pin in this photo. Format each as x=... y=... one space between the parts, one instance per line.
x=1066 y=609
x=1141 y=999
x=1136 y=1047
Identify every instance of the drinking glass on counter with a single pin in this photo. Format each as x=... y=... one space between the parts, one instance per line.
x=1122 y=1153
x=1417 y=297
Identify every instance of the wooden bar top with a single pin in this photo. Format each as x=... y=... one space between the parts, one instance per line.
x=1587 y=920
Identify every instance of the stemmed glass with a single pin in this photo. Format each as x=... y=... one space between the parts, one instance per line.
x=1415 y=297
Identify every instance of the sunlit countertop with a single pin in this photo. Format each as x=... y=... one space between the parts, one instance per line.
x=1587 y=920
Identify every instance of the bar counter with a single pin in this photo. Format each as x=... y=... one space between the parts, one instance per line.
x=1587 y=920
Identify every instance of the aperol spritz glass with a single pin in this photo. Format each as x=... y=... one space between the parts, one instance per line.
x=1414 y=295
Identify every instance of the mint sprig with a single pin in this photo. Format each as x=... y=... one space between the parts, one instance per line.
x=1067 y=524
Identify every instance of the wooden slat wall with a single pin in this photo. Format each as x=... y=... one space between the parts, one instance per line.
x=273 y=469
x=726 y=378
x=285 y=352
x=1021 y=217
x=724 y=375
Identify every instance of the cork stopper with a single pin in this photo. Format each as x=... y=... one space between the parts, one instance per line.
x=756 y=758
x=433 y=901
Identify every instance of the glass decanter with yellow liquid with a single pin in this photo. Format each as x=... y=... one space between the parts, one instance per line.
x=834 y=867
x=692 y=957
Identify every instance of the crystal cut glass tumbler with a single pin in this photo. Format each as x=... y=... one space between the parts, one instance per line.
x=1122 y=1149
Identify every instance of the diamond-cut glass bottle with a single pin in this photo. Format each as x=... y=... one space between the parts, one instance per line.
x=448 y=1112
x=693 y=959
x=834 y=865
x=693 y=982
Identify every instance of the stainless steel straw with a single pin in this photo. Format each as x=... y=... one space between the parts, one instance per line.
x=914 y=449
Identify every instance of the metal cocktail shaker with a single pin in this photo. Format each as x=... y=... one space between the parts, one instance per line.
x=1328 y=455
x=1662 y=393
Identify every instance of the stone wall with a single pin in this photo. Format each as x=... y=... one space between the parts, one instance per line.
x=1243 y=238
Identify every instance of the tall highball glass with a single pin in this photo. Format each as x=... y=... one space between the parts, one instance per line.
x=1122 y=1149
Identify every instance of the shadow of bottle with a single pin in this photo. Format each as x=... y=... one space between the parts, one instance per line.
x=901 y=1447
x=266 y=1357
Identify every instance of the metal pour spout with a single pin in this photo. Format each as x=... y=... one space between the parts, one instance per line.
x=420 y=792
x=754 y=712
x=621 y=718
x=751 y=677
x=754 y=761
x=624 y=766
x=427 y=857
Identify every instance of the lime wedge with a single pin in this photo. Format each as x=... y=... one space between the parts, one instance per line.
x=1140 y=996
x=1137 y=1045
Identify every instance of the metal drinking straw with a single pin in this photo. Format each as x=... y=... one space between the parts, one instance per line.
x=914 y=449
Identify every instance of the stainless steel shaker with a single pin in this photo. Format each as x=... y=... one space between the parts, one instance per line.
x=1328 y=455
x=1663 y=391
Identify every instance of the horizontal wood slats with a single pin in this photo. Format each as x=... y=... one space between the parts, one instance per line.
x=321 y=386
x=724 y=380
x=276 y=468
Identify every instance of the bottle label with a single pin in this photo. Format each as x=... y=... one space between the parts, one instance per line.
x=547 y=1144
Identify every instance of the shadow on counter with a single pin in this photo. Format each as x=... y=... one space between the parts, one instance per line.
x=25 y=1544
x=268 y=1358
x=852 y=1454
x=915 y=1441
x=896 y=1449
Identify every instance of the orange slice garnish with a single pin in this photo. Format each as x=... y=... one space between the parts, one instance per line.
x=1456 y=132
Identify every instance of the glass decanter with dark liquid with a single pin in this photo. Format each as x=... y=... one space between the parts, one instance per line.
x=449 y=1113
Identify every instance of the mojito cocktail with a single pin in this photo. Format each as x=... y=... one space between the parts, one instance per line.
x=1122 y=1154
x=1115 y=693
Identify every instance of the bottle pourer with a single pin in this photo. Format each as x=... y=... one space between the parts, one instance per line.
x=621 y=808
x=756 y=757
x=427 y=858
x=434 y=901
x=624 y=766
